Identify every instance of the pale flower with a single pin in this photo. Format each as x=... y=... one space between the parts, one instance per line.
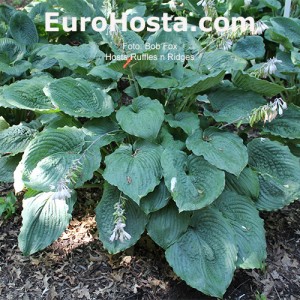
x=119 y=233
x=226 y=44
x=172 y=5
x=278 y=105
x=173 y=184
x=270 y=67
x=62 y=192
x=260 y=27
x=247 y=2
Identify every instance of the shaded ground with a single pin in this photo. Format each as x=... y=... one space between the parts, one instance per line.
x=77 y=267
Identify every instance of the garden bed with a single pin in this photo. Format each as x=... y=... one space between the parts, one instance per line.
x=77 y=267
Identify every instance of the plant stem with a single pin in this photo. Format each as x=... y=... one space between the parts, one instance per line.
x=135 y=82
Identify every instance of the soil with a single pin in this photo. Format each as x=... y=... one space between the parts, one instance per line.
x=77 y=266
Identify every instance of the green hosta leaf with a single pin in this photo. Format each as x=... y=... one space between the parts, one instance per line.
x=195 y=83
x=193 y=182
x=23 y=29
x=184 y=120
x=246 y=184
x=287 y=28
x=250 y=83
x=274 y=4
x=286 y=126
x=167 y=225
x=155 y=83
x=135 y=170
x=6 y=12
x=105 y=73
x=17 y=69
x=230 y=105
x=220 y=148
x=156 y=200
x=79 y=8
x=279 y=173
x=205 y=255
x=273 y=36
x=8 y=164
x=218 y=60
x=72 y=57
x=44 y=220
x=57 y=154
x=243 y=216
x=104 y=131
x=15 y=139
x=166 y=57
x=10 y=51
x=28 y=94
x=136 y=220
x=128 y=38
x=79 y=98
x=250 y=47
x=166 y=140
x=143 y=118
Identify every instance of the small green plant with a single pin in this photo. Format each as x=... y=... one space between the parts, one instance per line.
x=191 y=142
x=7 y=206
x=259 y=296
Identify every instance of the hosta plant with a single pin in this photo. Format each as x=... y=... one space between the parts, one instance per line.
x=188 y=151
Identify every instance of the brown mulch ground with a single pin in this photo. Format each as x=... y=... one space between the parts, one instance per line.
x=77 y=267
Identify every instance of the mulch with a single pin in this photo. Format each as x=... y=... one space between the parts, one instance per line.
x=77 y=267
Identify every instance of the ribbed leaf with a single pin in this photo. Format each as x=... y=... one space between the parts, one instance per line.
x=156 y=200
x=79 y=98
x=193 y=182
x=56 y=154
x=151 y=82
x=195 y=83
x=143 y=118
x=166 y=140
x=28 y=94
x=243 y=216
x=104 y=131
x=287 y=28
x=205 y=255
x=188 y=122
x=105 y=73
x=17 y=69
x=218 y=60
x=72 y=57
x=279 y=173
x=10 y=51
x=6 y=12
x=8 y=164
x=78 y=8
x=135 y=170
x=23 y=29
x=231 y=104
x=286 y=126
x=44 y=220
x=220 y=148
x=250 y=47
x=246 y=184
x=167 y=225
x=136 y=220
x=15 y=139
x=262 y=87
